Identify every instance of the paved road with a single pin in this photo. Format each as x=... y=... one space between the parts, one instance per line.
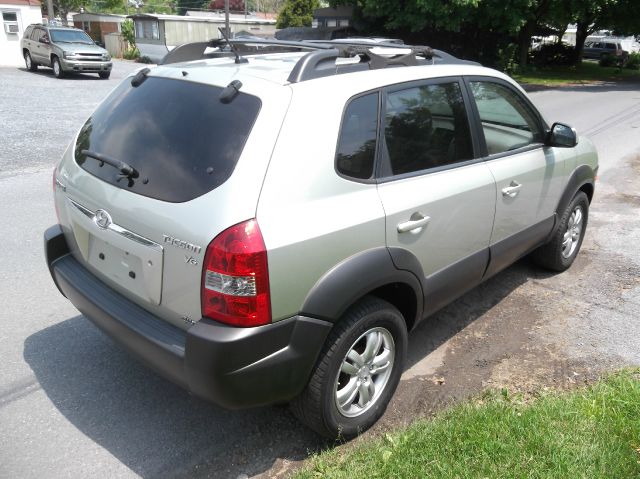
x=72 y=404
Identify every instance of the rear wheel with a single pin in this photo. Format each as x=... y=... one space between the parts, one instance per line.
x=561 y=251
x=31 y=65
x=57 y=68
x=357 y=372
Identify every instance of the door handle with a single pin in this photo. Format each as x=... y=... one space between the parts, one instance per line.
x=512 y=190
x=417 y=221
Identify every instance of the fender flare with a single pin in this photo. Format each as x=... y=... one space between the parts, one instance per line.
x=355 y=277
x=581 y=176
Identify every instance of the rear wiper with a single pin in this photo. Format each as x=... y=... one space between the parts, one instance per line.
x=125 y=169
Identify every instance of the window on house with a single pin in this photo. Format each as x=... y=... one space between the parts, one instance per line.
x=343 y=23
x=86 y=26
x=147 y=29
x=331 y=23
x=10 y=20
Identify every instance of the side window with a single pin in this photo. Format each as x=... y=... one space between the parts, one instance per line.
x=508 y=122
x=35 y=35
x=147 y=29
x=426 y=127
x=357 y=143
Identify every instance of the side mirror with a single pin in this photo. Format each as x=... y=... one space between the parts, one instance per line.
x=44 y=40
x=562 y=136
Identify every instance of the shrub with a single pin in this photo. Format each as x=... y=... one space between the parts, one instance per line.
x=554 y=54
x=608 y=61
x=633 y=62
x=144 y=59
x=128 y=32
x=131 y=53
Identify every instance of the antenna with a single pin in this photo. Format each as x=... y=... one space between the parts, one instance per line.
x=239 y=59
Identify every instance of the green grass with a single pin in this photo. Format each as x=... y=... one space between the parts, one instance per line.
x=585 y=73
x=588 y=433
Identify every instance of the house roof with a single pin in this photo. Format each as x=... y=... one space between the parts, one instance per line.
x=31 y=3
x=104 y=17
x=233 y=18
x=339 y=11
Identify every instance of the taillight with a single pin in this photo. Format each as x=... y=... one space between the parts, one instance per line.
x=235 y=277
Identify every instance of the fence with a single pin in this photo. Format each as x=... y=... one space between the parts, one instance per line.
x=115 y=44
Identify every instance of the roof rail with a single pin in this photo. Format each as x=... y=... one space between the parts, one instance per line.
x=196 y=51
x=323 y=63
x=321 y=60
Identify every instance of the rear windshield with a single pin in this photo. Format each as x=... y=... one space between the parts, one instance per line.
x=177 y=134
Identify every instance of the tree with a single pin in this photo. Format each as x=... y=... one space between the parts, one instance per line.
x=296 y=13
x=593 y=15
x=183 y=5
x=62 y=8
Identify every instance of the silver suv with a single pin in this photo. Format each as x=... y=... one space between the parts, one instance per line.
x=65 y=50
x=268 y=228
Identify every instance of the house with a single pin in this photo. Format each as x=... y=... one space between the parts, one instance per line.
x=16 y=16
x=97 y=25
x=341 y=16
x=157 y=34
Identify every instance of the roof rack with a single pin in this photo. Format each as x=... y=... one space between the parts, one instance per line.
x=197 y=50
x=323 y=63
x=323 y=58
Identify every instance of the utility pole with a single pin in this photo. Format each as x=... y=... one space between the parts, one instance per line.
x=50 y=10
x=226 y=18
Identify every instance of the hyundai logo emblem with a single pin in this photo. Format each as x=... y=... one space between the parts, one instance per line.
x=102 y=219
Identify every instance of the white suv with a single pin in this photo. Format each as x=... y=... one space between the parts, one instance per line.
x=268 y=228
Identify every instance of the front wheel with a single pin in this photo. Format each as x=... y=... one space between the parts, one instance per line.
x=31 y=66
x=57 y=68
x=561 y=251
x=104 y=75
x=357 y=372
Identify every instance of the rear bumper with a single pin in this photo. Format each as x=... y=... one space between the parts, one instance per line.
x=232 y=367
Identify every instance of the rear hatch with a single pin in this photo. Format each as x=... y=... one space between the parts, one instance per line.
x=199 y=165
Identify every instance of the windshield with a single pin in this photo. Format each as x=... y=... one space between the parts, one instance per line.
x=70 y=36
x=177 y=134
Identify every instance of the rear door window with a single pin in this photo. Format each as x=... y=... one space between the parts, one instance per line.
x=357 y=144
x=426 y=127
x=177 y=134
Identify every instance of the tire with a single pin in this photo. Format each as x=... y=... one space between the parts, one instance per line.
x=31 y=65
x=370 y=320
x=561 y=251
x=57 y=68
x=104 y=75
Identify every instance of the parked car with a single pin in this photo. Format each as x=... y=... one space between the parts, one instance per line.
x=65 y=50
x=601 y=49
x=269 y=228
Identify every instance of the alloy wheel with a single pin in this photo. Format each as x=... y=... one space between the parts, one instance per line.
x=364 y=372
x=572 y=234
